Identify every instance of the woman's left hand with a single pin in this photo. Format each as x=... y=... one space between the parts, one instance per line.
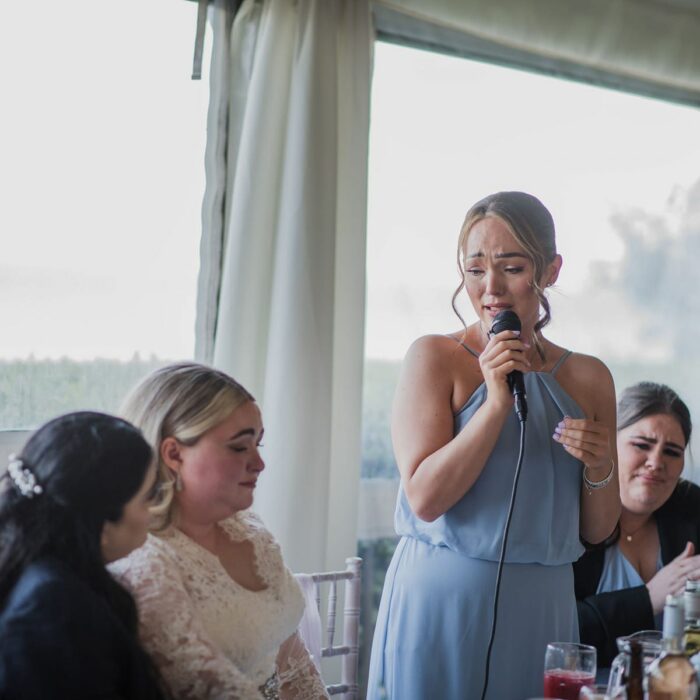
x=587 y=440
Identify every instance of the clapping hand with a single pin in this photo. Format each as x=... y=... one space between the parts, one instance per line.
x=672 y=577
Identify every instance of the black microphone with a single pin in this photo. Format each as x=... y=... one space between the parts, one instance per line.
x=508 y=320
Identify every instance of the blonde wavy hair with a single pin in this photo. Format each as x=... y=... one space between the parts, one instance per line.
x=183 y=401
x=532 y=227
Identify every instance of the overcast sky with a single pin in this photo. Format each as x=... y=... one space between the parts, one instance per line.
x=102 y=176
x=446 y=132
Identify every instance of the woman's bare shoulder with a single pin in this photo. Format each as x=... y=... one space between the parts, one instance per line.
x=439 y=349
x=587 y=368
x=434 y=342
x=441 y=366
x=589 y=382
x=427 y=365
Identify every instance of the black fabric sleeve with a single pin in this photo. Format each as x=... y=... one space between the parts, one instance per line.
x=59 y=644
x=604 y=617
x=679 y=521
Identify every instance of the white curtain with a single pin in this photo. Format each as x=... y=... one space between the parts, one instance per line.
x=282 y=282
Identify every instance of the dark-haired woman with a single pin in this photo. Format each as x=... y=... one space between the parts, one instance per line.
x=621 y=585
x=456 y=440
x=76 y=498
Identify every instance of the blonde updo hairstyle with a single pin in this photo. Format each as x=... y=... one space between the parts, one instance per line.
x=182 y=401
x=532 y=227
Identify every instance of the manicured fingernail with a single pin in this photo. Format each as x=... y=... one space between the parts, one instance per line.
x=516 y=333
x=556 y=437
x=558 y=429
x=527 y=345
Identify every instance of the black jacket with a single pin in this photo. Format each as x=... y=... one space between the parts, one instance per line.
x=59 y=639
x=602 y=618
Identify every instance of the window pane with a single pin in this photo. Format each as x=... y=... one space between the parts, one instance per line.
x=102 y=175
x=619 y=174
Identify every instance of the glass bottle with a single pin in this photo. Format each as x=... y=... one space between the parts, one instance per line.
x=691 y=635
x=634 y=686
x=672 y=676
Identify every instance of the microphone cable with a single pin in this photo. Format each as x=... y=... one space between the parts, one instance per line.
x=501 y=557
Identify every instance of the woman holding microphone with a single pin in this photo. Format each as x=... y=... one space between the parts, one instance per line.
x=456 y=441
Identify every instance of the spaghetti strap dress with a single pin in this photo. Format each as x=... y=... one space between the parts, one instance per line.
x=435 y=614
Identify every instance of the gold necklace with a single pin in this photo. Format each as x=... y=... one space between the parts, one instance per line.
x=630 y=535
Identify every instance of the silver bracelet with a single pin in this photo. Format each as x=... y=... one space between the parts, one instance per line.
x=594 y=485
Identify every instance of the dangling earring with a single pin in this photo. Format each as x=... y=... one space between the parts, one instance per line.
x=178 y=481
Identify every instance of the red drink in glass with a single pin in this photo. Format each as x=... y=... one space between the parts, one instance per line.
x=560 y=683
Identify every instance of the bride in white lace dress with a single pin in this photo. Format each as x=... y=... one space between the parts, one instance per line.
x=218 y=608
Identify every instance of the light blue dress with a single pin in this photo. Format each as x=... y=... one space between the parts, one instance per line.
x=435 y=614
x=618 y=574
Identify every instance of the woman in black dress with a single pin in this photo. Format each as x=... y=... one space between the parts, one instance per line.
x=76 y=498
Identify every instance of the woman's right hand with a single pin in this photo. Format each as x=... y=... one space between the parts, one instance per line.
x=503 y=353
x=672 y=577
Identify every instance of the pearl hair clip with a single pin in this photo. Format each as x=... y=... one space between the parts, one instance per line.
x=24 y=480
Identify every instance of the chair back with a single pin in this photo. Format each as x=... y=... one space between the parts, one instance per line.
x=348 y=688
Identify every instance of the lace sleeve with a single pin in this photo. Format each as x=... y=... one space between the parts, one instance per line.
x=190 y=663
x=299 y=679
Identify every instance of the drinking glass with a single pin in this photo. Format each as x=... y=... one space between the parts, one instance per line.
x=651 y=648
x=567 y=668
x=594 y=692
